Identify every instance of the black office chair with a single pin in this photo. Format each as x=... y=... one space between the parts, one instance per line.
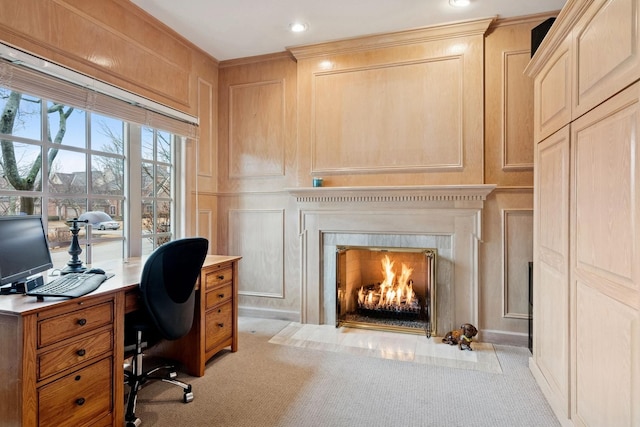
x=167 y=291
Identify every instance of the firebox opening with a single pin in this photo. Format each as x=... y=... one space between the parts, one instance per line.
x=386 y=288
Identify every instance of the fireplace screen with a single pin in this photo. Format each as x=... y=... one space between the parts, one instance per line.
x=386 y=288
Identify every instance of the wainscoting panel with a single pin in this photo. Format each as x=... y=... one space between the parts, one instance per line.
x=517 y=229
x=206 y=225
x=257 y=129
x=258 y=236
x=401 y=116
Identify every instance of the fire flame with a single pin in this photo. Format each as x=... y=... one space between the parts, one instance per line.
x=392 y=291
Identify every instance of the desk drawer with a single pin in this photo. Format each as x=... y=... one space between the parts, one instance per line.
x=73 y=353
x=221 y=294
x=219 y=325
x=78 y=397
x=72 y=324
x=217 y=277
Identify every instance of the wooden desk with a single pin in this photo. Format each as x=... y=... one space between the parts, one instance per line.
x=61 y=360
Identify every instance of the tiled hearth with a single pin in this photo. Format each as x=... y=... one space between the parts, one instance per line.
x=389 y=345
x=447 y=218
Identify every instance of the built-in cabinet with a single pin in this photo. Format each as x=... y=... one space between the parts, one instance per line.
x=586 y=356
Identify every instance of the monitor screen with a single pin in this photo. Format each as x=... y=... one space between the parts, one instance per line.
x=24 y=250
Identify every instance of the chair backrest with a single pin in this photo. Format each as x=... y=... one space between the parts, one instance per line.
x=167 y=284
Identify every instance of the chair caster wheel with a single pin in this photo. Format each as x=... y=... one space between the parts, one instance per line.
x=188 y=397
x=134 y=423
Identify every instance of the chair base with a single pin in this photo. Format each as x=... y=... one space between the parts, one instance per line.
x=136 y=379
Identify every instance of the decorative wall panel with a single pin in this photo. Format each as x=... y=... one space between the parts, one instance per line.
x=207 y=137
x=404 y=116
x=257 y=129
x=518 y=114
x=517 y=228
x=258 y=235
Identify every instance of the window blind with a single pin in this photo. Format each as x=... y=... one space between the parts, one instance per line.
x=26 y=80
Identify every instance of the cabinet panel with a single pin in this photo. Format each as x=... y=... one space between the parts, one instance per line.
x=80 y=396
x=606 y=52
x=216 y=277
x=71 y=324
x=606 y=175
x=219 y=325
x=552 y=93
x=221 y=294
x=606 y=392
x=72 y=353
x=551 y=265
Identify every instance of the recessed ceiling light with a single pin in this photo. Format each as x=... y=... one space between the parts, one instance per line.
x=459 y=3
x=298 y=27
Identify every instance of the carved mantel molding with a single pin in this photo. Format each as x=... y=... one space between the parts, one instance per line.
x=399 y=194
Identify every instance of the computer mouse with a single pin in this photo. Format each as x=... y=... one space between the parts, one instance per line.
x=94 y=271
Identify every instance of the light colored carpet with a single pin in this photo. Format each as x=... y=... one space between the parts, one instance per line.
x=275 y=385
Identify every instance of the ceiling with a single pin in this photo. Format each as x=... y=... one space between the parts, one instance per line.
x=229 y=29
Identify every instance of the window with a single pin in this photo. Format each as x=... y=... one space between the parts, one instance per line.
x=157 y=187
x=62 y=161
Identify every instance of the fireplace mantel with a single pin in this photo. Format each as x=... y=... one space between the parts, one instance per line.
x=411 y=193
x=330 y=216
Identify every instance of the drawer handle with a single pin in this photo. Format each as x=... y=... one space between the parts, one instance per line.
x=221 y=325
x=82 y=322
x=81 y=352
x=221 y=277
x=220 y=296
x=80 y=401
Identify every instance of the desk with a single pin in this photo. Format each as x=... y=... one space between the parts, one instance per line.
x=61 y=360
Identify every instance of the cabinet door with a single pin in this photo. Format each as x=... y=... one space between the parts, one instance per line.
x=605 y=258
x=551 y=267
x=552 y=93
x=605 y=49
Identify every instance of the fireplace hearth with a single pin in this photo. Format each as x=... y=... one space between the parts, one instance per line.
x=386 y=288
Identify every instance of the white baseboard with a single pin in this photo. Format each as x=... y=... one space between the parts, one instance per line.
x=502 y=337
x=269 y=313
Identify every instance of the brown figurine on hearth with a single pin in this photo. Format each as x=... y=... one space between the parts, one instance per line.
x=462 y=337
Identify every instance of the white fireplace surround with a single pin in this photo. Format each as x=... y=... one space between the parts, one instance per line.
x=446 y=217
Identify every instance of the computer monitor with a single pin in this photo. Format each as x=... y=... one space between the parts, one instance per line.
x=24 y=250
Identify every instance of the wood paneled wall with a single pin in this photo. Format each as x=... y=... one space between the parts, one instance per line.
x=443 y=105
x=118 y=43
x=396 y=109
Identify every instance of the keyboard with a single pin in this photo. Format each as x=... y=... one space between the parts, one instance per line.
x=70 y=285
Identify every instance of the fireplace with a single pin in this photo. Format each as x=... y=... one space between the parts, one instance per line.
x=386 y=288
x=445 y=218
